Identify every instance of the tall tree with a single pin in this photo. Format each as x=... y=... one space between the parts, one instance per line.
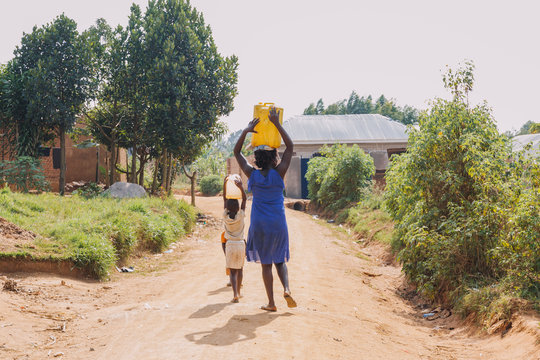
x=107 y=121
x=191 y=84
x=55 y=64
x=136 y=88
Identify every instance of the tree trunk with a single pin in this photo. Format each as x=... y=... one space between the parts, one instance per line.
x=156 y=170
x=193 y=179
x=169 y=175
x=62 y=184
x=112 y=165
x=141 y=170
x=133 y=173
x=127 y=166
x=165 y=169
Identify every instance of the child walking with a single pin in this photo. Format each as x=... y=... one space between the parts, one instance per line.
x=235 y=246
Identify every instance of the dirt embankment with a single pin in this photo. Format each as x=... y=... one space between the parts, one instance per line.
x=13 y=238
x=16 y=247
x=352 y=305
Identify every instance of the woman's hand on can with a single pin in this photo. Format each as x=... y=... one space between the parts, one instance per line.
x=251 y=125
x=274 y=115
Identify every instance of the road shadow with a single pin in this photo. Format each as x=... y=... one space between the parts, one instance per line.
x=238 y=328
x=209 y=310
x=219 y=291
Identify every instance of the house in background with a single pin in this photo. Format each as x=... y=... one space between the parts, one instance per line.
x=377 y=135
x=519 y=142
x=82 y=164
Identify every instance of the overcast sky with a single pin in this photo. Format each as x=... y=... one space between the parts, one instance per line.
x=293 y=52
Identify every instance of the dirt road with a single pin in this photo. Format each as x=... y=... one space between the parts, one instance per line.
x=176 y=306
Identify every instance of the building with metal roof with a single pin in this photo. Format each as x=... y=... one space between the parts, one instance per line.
x=376 y=134
x=521 y=141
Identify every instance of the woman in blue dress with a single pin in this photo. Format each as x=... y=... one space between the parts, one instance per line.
x=268 y=236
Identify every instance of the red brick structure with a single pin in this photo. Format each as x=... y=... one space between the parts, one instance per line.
x=81 y=164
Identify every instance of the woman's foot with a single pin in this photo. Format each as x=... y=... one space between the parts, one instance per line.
x=269 y=308
x=290 y=301
x=235 y=300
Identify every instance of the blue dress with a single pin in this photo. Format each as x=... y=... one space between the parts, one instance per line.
x=268 y=236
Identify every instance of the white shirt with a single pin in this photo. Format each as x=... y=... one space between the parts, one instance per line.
x=234 y=228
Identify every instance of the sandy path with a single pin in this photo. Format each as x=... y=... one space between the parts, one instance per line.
x=181 y=310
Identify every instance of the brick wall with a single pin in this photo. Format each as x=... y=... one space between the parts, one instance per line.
x=81 y=164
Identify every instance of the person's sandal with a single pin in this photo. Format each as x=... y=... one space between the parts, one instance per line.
x=290 y=301
x=268 y=308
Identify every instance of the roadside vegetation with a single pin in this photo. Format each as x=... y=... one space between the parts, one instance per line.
x=98 y=232
x=467 y=210
x=340 y=187
x=338 y=177
x=460 y=210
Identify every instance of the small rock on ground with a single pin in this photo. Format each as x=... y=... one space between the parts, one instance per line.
x=122 y=190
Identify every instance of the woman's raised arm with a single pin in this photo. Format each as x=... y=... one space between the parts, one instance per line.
x=289 y=146
x=242 y=161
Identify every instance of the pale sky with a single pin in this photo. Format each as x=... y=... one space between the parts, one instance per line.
x=293 y=52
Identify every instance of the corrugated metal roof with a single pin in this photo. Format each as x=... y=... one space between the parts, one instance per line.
x=519 y=142
x=355 y=128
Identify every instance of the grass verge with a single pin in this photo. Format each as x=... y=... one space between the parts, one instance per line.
x=95 y=233
x=368 y=220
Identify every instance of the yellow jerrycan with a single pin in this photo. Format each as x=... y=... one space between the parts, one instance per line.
x=233 y=192
x=267 y=133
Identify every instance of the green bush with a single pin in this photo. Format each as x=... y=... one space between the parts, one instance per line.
x=337 y=178
x=211 y=185
x=25 y=173
x=93 y=254
x=466 y=217
x=89 y=190
x=443 y=194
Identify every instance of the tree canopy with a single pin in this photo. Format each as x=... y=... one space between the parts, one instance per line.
x=158 y=87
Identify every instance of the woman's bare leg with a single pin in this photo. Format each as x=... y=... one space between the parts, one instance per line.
x=283 y=276
x=268 y=285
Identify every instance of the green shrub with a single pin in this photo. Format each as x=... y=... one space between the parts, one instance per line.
x=466 y=217
x=519 y=249
x=89 y=190
x=122 y=234
x=25 y=173
x=443 y=194
x=211 y=185
x=338 y=177
x=93 y=254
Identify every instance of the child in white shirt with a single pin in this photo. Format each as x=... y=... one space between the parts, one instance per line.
x=235 y=246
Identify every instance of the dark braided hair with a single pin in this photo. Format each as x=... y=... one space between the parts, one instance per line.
x=265 y=159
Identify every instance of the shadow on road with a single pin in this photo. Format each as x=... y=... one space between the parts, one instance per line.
x=209 y=310
x=238 y=328
x=219 y=291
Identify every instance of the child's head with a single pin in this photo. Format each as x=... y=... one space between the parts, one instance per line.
x=232 y=206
